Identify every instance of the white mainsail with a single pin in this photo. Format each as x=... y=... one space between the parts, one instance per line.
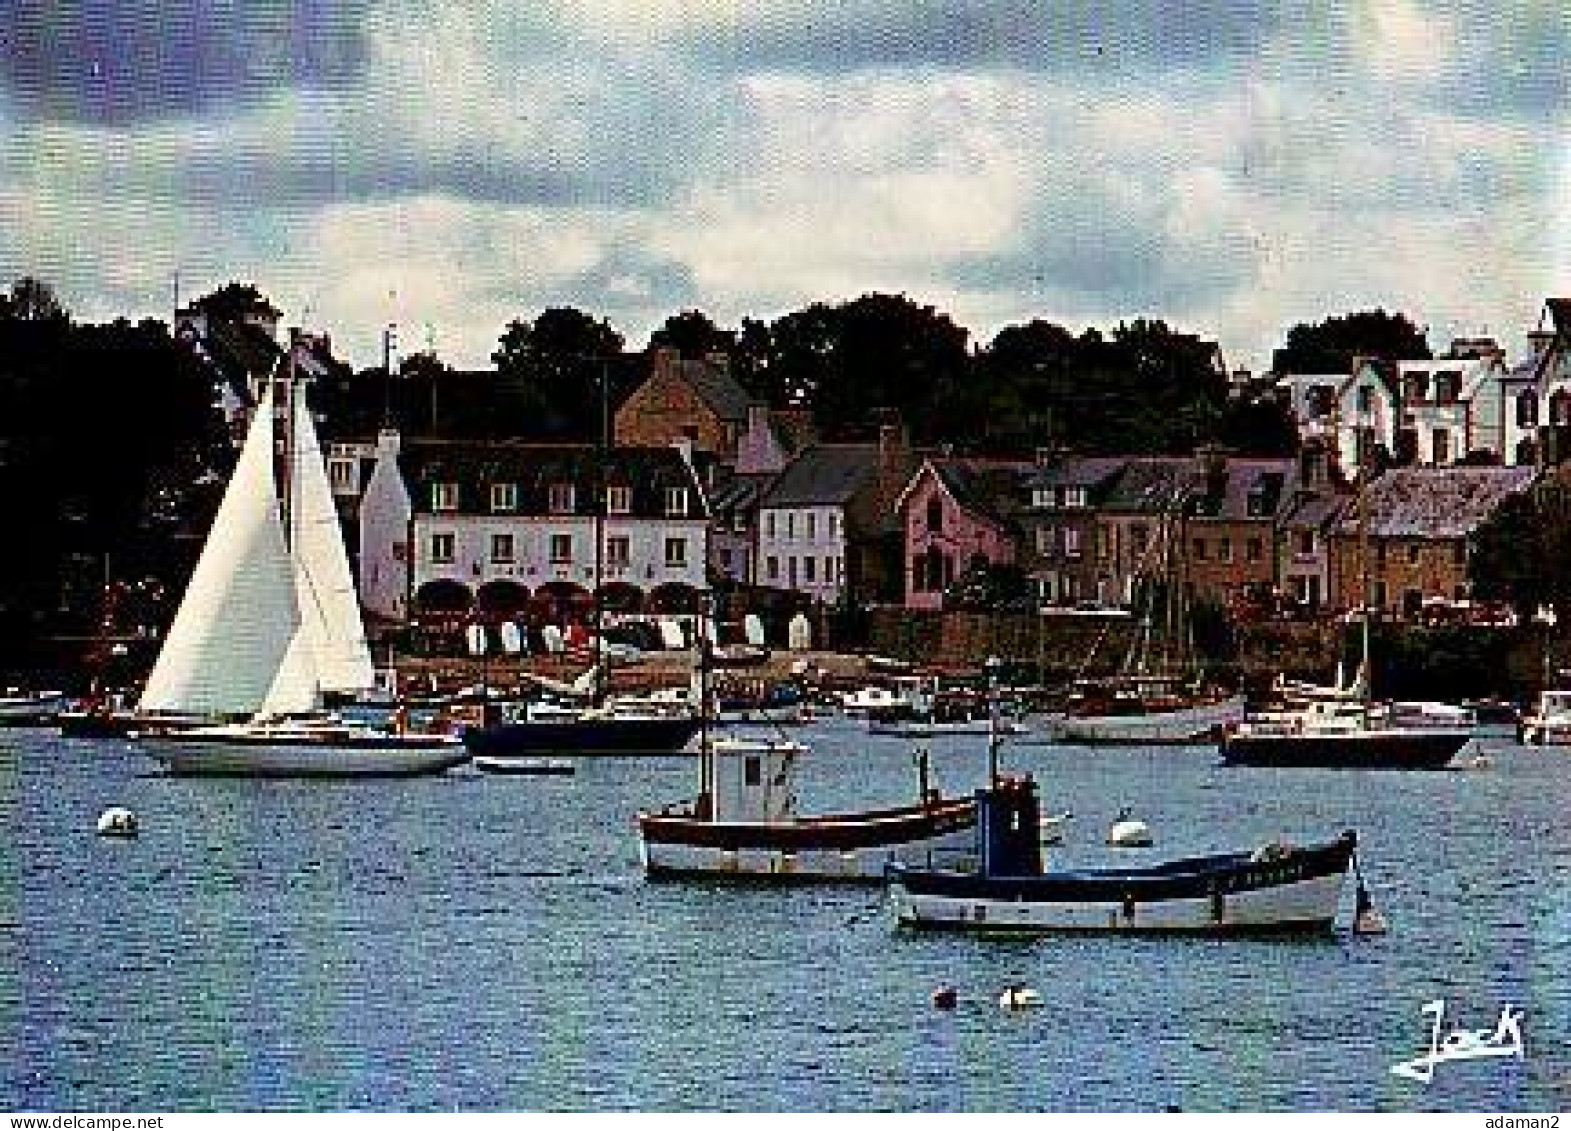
x=239 y=613
x=329 y=605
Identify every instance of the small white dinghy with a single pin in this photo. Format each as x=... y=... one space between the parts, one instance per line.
x=1020 y=997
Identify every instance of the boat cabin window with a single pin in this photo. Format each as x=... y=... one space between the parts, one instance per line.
x=752 y=770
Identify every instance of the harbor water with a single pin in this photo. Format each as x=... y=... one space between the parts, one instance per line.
x=473 y=942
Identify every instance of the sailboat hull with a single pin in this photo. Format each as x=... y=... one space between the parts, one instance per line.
x=1416 y=749
x=214 y=753
x=1197 y=723
x=847 y=847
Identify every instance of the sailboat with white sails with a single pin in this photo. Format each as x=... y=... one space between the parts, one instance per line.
x=270 y=626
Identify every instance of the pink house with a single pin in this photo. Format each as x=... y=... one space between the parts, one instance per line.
x=952 y=512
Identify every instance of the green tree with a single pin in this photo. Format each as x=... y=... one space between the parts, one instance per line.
x=1330 y=346
x=549 y=374
x=878 y=351
x=32 y=300
x=693 y=334
x=235 y=302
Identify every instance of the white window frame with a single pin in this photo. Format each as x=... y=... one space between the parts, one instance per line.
x=504 y=497
x=444 y=496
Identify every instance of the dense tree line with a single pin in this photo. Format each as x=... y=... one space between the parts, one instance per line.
x=111 y=452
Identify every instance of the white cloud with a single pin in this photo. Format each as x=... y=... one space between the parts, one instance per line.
x=467 y=165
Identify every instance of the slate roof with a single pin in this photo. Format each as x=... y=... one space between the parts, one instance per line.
x=995 y=489
x=1265 y=480
x=1448 y=502
x=715 y=386
x=737 y=493
x=1075 y=471
x=1149 y=486
x=535 y=468
x=823 y=475
x=1313 y=510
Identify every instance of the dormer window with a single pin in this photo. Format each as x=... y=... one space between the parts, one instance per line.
x=444 y=496
x=1074 y=497
x=1448 y=386
x=935 y=515
x=342 y=473
x=1255 y=504
x=1366 y=400
x=504 y=497
x=676 y=502
x=1042 y=497
x=559 y=498
x=619 y=500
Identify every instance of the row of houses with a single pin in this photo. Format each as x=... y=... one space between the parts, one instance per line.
x=1469 y=406
x=700 y=484
x=449 y=528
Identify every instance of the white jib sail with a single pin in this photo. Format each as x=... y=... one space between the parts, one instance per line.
x=295 y=690
x=238 y=614
x=329 y=604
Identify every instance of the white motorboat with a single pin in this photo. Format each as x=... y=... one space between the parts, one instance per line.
x=1549 y=724
x=30 y=708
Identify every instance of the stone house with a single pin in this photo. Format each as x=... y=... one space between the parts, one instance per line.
x=693 y=401
x=1230 y=526
x=1412 y=549
x=1063 y=494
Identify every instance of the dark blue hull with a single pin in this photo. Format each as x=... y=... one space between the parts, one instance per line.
x=583 y=736
x=1391 y=750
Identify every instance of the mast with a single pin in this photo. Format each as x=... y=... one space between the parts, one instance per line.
x=602 y=654
x=704 y=807
x=1366 y=675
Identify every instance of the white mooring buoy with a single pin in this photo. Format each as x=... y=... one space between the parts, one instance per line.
x=1127 y=832
x=117 y=821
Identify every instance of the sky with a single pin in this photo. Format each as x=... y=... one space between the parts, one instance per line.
x=1233 y=167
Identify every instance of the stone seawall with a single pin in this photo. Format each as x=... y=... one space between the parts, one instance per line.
x=1410 y=661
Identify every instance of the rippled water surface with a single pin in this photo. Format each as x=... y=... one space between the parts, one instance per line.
x=478 y=943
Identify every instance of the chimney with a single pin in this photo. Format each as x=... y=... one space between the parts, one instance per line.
x=1212 y=461
x=894 y=456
